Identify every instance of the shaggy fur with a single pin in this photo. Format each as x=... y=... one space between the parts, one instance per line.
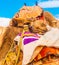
x=51 y=20
x=6 y=39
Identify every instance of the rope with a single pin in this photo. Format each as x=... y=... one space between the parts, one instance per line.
x=19 y=48
x=20 y=42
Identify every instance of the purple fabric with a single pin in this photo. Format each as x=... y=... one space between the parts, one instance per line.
x=34 y=35
x=28 y=40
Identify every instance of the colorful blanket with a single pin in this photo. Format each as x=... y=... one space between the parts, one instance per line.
x=51 y=38
x=27 y=37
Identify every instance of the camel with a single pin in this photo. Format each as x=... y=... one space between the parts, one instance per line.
x=7 y=34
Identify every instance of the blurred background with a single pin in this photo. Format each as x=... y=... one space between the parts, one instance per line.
x=9 y=7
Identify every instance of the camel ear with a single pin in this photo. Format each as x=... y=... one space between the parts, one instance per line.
x=13 y=22
x=49 y=17
x=16 y=22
